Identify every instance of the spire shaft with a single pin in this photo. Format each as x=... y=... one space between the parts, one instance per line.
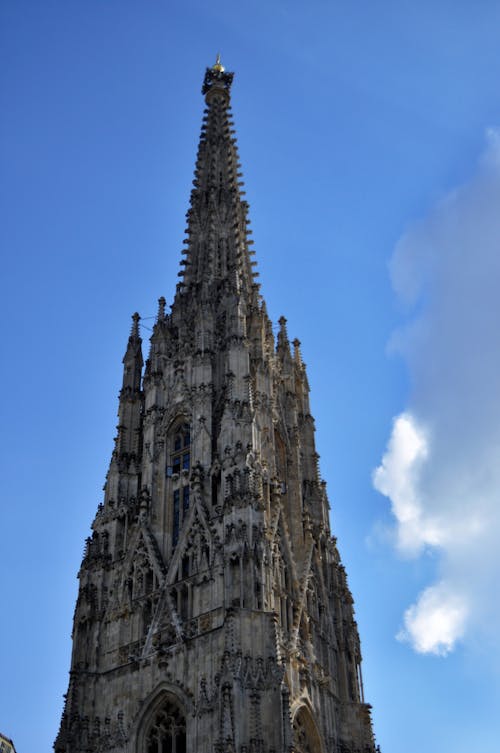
x=217 y=253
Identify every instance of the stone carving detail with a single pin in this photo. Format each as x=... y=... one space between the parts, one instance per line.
x=253 y=673
x=95 y=733
x=206 y=699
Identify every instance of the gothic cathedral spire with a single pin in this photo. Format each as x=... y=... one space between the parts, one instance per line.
x=213 y=613
x=217 y=253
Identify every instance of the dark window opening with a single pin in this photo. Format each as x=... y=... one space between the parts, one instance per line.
x=183 y=606
x=180 y=742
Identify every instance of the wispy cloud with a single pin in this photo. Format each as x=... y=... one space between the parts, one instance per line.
x=441 y=469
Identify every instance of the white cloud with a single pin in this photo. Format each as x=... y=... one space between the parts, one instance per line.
x=436 y=621
x=397 y=477
x=441 y=469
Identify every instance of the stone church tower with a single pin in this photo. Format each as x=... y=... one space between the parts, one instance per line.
x=214 y=614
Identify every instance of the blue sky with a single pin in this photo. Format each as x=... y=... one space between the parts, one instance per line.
x=368 y=135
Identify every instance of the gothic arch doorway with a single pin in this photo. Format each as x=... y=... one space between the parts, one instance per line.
x=164 y=730
x=306 y=737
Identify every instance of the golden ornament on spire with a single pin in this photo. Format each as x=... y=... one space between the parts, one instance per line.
x=218 y=65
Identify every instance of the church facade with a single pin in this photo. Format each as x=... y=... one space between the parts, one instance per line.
x=213 y=612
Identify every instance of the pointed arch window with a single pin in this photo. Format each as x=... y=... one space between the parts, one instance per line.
x=180 y=456
x=167 y=733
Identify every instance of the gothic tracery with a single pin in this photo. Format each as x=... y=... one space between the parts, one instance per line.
x=167 y=731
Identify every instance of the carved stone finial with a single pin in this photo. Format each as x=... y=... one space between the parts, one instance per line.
x=296 y=352
x=134 y=331
x=283 y=342
x=161 y=309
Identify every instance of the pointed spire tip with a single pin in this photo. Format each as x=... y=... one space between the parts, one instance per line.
x=216 y=77
x=296 y=353
x=283 y=343
x=218 y=65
